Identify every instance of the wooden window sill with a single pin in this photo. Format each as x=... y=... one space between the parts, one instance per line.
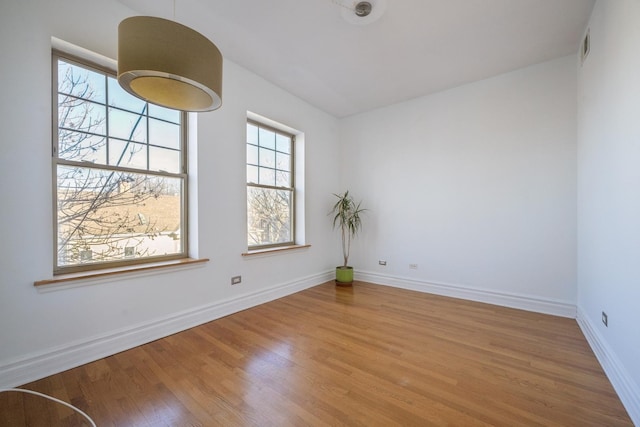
x=114 y=272
x=274 y=250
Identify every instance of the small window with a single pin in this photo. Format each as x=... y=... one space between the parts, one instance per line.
x=120 y=173
x=270 y=187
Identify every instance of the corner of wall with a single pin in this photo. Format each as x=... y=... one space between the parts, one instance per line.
x=627 y=389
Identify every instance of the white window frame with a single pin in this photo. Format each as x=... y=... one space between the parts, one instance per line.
x=182 y=175
x=293 y=232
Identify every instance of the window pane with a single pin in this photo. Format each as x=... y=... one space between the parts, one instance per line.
x=82 y=147
x=252 y=174
x=252 y=154
x=283 y=143
x=162 y=159
x=122 y=99
x=252 y=134
x=283 y=161
x=80 y=82
x=267 y=158
x=112 y=215
x=127 y=154
x=81 y=115
x=164 y=134
x=267 y=176
x=164 y=113
x=269 y=216
x=283 y=179
x=127 y=126
x=267 y=138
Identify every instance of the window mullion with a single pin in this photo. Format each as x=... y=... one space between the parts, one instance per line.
x=108 y=115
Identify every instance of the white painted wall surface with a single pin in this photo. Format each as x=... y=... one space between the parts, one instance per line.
x=475 y=185
x=609 y=186
x=34 y=324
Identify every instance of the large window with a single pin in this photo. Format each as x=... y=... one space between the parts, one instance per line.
x=119 y=173
x=270 y=187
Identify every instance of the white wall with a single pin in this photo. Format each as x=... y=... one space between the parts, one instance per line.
x=475 y=185
x=609 y=191
x=84 y=322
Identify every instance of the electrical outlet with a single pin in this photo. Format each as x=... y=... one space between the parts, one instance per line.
x=236 y=280
x=381 y=262
x=605 y=319
x=413 y=266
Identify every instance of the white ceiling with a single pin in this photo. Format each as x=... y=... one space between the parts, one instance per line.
x=416 y=47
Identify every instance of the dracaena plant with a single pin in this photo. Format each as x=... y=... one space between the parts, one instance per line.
x=347 y=217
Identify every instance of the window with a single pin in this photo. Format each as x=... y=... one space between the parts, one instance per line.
x=120 y=173
x=270 y=187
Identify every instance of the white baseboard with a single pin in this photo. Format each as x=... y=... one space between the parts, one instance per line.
x=522 y=302
x=627 y=389
x=61 y=358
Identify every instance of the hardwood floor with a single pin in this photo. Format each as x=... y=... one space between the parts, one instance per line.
x=363 y=356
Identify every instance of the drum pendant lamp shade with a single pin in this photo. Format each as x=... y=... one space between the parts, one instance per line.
x=169 y=64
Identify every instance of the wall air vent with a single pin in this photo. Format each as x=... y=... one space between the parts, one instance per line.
x=586 y=46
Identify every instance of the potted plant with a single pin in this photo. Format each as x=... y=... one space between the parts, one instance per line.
x=347 y=218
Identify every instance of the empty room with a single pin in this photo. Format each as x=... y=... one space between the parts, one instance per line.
x=320 y=212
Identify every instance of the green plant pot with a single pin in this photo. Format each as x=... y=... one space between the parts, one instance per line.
x=344 y=276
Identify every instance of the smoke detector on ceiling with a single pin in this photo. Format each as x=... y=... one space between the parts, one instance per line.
x=363 y=9
x=362 y=12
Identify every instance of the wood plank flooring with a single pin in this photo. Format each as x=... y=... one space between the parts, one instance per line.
x=363 y=356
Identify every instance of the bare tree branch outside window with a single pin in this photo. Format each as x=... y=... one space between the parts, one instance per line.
x=269 y=216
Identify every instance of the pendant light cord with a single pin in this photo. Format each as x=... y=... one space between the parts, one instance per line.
x=22 y=390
